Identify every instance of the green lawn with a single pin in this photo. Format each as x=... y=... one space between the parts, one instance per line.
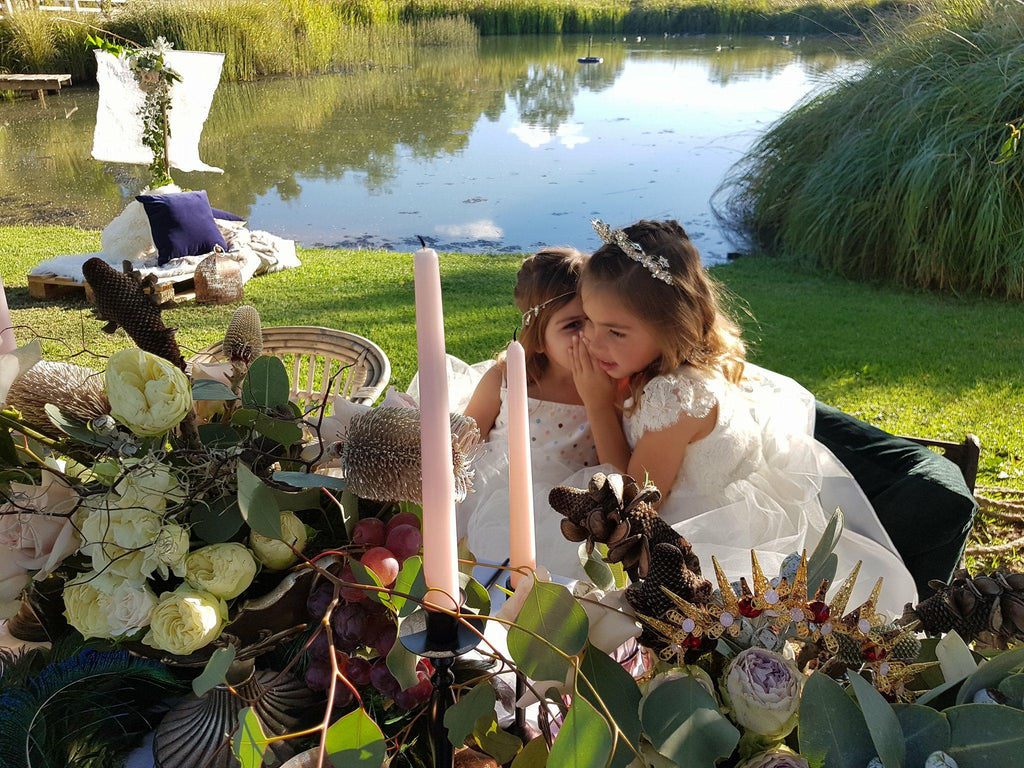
x=909 y=362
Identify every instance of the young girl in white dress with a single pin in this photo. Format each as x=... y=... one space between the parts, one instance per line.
x=670 y=397
x=561 y=443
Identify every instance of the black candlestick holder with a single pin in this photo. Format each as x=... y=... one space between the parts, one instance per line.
x=442 y=638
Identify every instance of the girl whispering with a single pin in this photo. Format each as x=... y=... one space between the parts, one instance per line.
x=670 y=397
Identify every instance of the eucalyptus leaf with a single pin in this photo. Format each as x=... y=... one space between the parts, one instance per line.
x=924 y=730
x=215 y=671
x=310 y=480
x=75 y=428
x=551 y=612
x=217 y=521
x=990 y=674
x=244 y=417
x=604 y=680
x=477 y=597
x=266 y=384
x=533 y=755
x=584 y=740
x=8 y=455
x=365 y=576
x=257 y=504
x=402 y=663
x=883 y=725
x=955 y=658
x=985 y=735
x=831 y=727
x=249 y=743
x=596 y=568
x=218 y=435
x=499 y=744
x=410 y=581
x=823 y=562
x=1013 y=687
x=287 y=433
x=682 y=721
x=356 y=741
x=349 y=510
x=460 y=719
x=207 y=389
x=467 y=559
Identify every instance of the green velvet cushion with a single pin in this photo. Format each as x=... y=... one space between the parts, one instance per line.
x=920 y=497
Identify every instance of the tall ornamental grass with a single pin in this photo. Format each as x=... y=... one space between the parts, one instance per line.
x=898 y=174
x=258 y=37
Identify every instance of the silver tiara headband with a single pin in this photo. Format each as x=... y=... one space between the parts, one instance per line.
x=531 y=314
x=656 y=265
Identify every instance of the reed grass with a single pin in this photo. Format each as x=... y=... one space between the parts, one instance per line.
x=894 y=174
x=258 y=37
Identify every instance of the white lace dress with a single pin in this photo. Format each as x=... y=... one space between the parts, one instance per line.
x=761 y=481
x=562 y=452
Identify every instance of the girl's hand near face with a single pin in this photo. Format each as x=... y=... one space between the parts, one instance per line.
x=596 y=388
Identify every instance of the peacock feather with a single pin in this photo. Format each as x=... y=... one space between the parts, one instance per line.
x=86 y=711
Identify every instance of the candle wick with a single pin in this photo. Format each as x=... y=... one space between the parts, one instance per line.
x=423 y=242
x=514 y=332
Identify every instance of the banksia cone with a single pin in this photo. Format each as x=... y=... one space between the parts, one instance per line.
x=77 y=391
x=907 y=649
x=381 y=458
x=668 y=571
x=989 y=608
x=243 y=341
x=615 y=511
x=849 y=650
x=121 y=301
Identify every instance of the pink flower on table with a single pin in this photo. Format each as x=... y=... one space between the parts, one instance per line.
x=35 y=526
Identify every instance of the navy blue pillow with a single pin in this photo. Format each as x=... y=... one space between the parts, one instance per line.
x=225 y=216
x=182 y=224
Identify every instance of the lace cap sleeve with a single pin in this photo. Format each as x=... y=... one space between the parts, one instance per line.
x=666 y=398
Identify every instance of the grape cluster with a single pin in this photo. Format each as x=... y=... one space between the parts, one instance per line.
x=359 y=624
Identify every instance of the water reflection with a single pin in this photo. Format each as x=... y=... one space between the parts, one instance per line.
x=500 y=148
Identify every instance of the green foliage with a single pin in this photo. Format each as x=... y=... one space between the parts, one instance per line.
x=215 y=671
x=990 y=673
x=461 y=718
x=683 y=722
x=250 y=742
x=605 y=684
x=258 y=504
x=985 y=735
x=552 y=613
x=882 y=722
x=831 y=728
x=924 y=730
x=266 y=383
x=355 y=741
x=584 y=741
x=893 y=173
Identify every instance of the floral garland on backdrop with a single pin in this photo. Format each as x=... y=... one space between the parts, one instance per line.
x=203 y=519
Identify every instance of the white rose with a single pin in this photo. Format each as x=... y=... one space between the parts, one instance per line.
x=223 y=570
x=276 y=554
x=148 y=484
x=171 y=549
x=120 y=541
x=611 y=619
x=87 y=607
x=185 y=621
x=104 y=605
x=147 y=394
x=130 y=607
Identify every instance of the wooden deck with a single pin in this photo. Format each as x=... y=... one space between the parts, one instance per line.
x=50 y=287
x=38 y=84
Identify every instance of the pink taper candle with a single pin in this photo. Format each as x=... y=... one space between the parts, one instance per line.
x=7 y=340
x=522 y=547
x=440 y=548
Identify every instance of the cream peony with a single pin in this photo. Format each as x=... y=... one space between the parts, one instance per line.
x=147 y=394
x=780 y=757
x=763 y=690
x=120 y=541
x=223 y=570
x=103 y=605
x=148 y=484
x=185 y=621
x=276 y=554
x=86 y=607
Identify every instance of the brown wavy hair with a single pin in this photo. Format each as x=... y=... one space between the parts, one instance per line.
x=546 y=276
x=688 y=314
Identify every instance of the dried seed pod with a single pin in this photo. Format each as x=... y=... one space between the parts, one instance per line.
x=243 y=341
x=77 y=391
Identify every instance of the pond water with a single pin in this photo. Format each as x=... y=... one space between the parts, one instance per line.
x=504 y=147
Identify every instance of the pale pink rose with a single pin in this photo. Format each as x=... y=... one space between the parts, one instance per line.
x=35 y=526
x=13 y=579
x=395 y=399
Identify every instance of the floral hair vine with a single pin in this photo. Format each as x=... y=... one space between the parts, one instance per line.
x=531 y=314
x=656 y=265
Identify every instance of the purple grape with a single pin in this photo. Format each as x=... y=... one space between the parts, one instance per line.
x=358 y=671
x=383 y=680
x=319 y=648
x=424 y=689
x=318 y=600
x=343 y=696
x=349 y=622
x=385 y=641
x=407 y=699
x=318 y=675
x=405 y=541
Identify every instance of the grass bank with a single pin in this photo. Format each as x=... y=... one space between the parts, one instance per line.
x=294 y=37
x=957 y=366
x=894 y=174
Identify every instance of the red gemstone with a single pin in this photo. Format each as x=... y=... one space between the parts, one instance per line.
x=747 y=608
x=819 y=612
x=872 y=652
x=693 y=641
